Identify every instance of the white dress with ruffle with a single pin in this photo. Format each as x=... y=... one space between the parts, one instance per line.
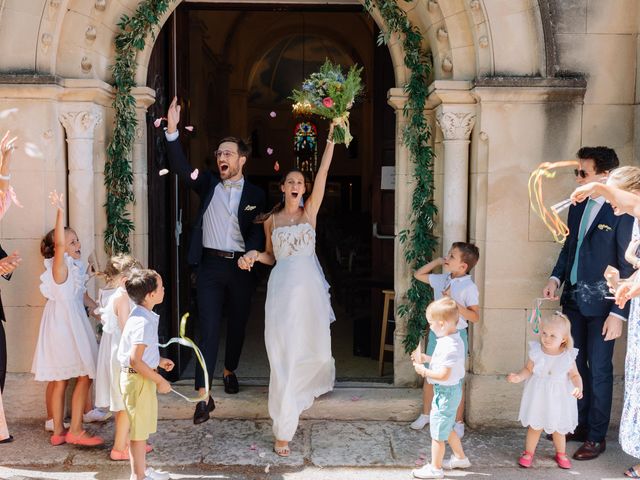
x=108 y=393
x=297 y=332
x=67 y=346
x=547 y=403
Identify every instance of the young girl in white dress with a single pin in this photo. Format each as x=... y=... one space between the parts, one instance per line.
x=553 y=387
x=67 y=346
x=114 y=307
x=298 y=309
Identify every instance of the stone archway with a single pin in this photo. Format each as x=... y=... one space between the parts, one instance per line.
x=69 y=46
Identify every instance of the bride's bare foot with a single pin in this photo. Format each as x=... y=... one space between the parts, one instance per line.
x=281 y=447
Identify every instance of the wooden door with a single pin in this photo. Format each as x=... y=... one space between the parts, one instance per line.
x=383 y=201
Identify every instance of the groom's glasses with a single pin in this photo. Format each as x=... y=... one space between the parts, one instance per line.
x=224 y=153
x=580 y=173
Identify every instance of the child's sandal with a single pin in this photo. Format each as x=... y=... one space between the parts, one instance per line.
x=526 y=459
x=562 y=460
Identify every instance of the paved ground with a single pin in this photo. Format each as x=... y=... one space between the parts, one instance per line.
x=322 y=450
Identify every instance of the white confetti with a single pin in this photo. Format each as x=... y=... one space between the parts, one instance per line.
x=33 y=150
x=164 y=171
x=5 y=113
x=266 y=469
x=262 y=454
x=194 y=174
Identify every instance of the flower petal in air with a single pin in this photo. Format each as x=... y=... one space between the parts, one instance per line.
x=189 y=128
x=194 y=174
x=269 y=151
x=162 y=172
x=273 y=114
x=157 y=122
x=276 y=166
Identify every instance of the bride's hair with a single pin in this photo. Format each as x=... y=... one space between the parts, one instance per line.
x=263 y=217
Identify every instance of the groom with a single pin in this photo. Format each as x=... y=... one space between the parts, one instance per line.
x=222 y=232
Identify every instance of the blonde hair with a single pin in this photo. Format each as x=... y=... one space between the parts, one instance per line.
x=560 y=320
x=625 y=178
x=443 y=310
x=118 y=265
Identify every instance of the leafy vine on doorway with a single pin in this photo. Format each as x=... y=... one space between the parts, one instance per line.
x=419 y=241
x=118 y=173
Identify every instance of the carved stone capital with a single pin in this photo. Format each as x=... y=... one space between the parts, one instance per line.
x=81 y=124
x=456 y=125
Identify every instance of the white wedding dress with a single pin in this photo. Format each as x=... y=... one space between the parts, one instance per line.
x=297 y=334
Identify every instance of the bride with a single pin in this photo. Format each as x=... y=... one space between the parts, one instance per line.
x=297 y=311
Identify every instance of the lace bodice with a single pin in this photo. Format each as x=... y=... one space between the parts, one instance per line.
x=293 y=240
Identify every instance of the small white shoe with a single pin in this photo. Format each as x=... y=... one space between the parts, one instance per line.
x=459 y=429
x=455 y=462
x=156 y=474
x=427 y=472
x=96 y=415
x=420 y=422
x=48 y=425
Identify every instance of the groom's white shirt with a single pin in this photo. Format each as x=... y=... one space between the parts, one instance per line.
x=220 y=225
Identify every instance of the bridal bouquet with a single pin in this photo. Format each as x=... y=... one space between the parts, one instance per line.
x=330 y=94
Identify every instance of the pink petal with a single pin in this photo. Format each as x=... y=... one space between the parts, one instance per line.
x=270 y=151
x=253 y=447
x=164 y=171
x=276 y=166
x=189 y=128
x=272 y=114
x=194 y=174
x=355 y=398
x=157 y=122
x=419 y=462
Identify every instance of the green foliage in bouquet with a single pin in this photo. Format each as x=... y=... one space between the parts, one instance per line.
x=419 y=240
x=330 y=94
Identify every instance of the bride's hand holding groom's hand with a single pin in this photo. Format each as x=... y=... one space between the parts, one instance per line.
x=246 y=261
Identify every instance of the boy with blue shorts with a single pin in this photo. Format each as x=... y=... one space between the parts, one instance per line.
x=445 y=371
x=139 y=358
x=454 y=282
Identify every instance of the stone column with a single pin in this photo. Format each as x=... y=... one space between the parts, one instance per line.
x=79 y=126
x=456 y=123
x=404 y=374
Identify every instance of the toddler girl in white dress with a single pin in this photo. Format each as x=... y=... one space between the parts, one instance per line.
x=553 y=385
x=114 y=308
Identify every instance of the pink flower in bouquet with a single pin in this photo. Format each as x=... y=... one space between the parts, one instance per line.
x=327 y=102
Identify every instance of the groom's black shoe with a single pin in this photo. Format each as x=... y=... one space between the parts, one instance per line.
x=231 y=383
x=203 y=409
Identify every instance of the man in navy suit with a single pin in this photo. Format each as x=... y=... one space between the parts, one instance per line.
x=597 y=238
x=224 y=229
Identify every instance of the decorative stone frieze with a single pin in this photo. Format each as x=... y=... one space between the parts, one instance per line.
x=91 y=33
x=447 y=65
x=101 y=5
x=79 y=125
x=86 y=64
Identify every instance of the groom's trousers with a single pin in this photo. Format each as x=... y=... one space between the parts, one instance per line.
x=220 y=283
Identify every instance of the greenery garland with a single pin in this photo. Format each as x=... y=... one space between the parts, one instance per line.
x=419 y=241
x=118 y=174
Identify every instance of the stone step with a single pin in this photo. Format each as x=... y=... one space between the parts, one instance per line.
x=24 y=400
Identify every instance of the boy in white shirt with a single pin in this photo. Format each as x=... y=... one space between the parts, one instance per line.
x=446 y=371
x=454 y=282
x=139 y=358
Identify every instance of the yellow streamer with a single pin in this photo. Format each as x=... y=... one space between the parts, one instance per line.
x=550 y=218
x=187 y=342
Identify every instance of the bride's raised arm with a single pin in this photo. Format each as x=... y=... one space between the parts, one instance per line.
x=312 y=205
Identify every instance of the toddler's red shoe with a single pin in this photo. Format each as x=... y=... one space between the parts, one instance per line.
x=148 y=448
x=84 y=439
x=526 y=459
x=562 y=460
x=57 y=440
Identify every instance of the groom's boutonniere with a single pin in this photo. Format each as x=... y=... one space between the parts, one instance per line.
x=602 y=226
x=248 y=208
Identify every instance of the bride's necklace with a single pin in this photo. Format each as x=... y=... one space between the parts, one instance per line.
x=295 y=217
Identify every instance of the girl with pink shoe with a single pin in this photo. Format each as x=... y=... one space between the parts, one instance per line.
x=553 y=387
x=114 y=307
x=67 y=346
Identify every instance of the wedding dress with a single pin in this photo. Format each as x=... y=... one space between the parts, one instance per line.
x=297 y=335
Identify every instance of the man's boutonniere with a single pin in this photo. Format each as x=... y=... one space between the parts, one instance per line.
x=248 y=208
x=602 y=226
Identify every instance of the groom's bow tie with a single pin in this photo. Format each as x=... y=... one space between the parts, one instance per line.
x=228 y=184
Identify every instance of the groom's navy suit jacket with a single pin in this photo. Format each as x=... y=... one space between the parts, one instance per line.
x=604 y=244
x=252 y=203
